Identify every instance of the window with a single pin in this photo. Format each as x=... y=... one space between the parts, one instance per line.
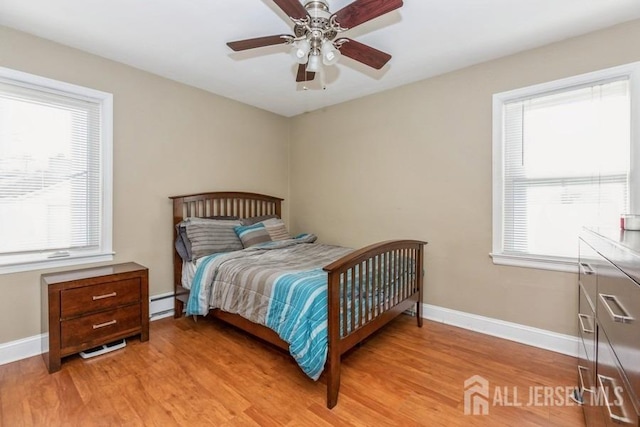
x=55 y=173
x=563 y=159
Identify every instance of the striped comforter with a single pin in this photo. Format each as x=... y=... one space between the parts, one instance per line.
x=280 y=285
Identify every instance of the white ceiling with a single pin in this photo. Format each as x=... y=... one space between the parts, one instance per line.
x=184 y=40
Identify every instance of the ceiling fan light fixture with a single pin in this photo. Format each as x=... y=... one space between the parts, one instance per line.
x=330 y=55
x=315 y=64
x=315 y=43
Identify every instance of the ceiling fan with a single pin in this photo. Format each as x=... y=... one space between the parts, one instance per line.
x=315 y=30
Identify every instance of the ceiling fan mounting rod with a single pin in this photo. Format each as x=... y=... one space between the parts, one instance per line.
x=317 y=5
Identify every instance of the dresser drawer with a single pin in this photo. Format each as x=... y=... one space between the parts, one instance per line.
x=587 y=324
x=99 y=326
x=89 y=299
x=614 y=394
x=619 y=316
x=589 y=260
x=587 y=391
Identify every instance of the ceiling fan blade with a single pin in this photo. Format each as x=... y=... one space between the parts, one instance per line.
x=293 y=8
x=360 y=52
x=257 y=42
x=361 y=11
x=303 y=75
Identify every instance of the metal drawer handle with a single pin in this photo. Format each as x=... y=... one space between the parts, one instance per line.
x=111 y=295
x=102 y=325
x=581 y=319
x=586 y=269
x=621 y=318
x=619 y=418
x=582 y=387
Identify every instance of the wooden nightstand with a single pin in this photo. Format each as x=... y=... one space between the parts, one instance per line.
x=86 y=308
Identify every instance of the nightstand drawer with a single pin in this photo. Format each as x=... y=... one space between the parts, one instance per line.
x=101 y=325
x=89 y=299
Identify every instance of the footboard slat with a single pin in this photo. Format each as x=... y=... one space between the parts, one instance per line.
x=367 y=289
x=385 y=281
x=344 y=312
x=365 y=292
x=404 y=266
x=395 y=278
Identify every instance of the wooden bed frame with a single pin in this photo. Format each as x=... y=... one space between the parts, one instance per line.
x=405 y=291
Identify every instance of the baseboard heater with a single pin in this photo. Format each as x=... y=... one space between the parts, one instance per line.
x=106 y=348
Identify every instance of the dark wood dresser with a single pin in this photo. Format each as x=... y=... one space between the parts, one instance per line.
x=90 y=307
x=609 y=326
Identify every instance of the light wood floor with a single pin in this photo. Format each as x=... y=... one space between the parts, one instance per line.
x=206 y=373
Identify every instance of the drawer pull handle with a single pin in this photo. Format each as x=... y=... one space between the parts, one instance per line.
x=582 y=387
x=102 y=325
x=586 y=269
x=605 y=393
x=581 y=319
x=620 y=318
x=111 y=295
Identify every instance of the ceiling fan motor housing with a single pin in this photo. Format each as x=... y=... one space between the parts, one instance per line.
x=319 y=25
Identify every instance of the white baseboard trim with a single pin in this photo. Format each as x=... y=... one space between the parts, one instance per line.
x=21 y=349
x=160 y=306
x=541 y=338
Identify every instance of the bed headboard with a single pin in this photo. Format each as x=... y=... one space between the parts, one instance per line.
x=242 y=205
x=223 y=203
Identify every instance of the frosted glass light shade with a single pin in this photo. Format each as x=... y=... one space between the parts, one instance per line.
x=300 y=51
x=330 y=55
x=314 y=64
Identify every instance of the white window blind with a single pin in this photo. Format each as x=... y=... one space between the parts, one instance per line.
x=566 y=165
x=565 y=155
x=52 y=174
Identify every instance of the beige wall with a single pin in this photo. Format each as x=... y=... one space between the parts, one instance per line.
x=169 y=139
x=415 y=162
x=412 y=162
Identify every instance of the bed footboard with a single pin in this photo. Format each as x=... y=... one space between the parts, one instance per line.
x=367 y=289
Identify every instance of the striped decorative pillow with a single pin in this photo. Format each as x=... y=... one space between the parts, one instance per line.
x=182 y=244
x=256 y=219
x=276 y=229
x=252 y=235
x=212 y=236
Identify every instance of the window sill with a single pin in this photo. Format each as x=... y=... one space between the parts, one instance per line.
x=55 y=263
x=567 y=265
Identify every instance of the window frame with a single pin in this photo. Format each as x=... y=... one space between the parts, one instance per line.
x=630 y=71
x=37 y=261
